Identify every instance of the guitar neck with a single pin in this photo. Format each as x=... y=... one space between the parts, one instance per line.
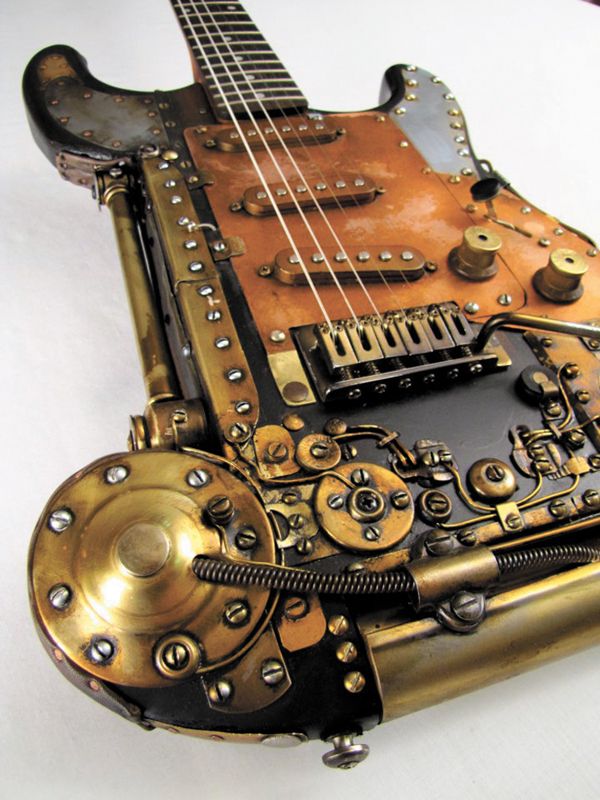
x=239 y=70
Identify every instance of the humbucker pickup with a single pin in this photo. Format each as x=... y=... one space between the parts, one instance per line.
x=393 y=355
x=341 y=190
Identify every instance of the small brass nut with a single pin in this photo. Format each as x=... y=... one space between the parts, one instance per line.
x=475 y=258
x=561 y=279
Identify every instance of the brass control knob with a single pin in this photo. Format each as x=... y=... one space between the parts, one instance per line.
x=475 y=258
x=561 y=279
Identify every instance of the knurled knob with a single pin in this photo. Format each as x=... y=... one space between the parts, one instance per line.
x=561 y=279
x=475 y=258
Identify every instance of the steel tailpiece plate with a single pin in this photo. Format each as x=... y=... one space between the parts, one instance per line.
x=111 y=574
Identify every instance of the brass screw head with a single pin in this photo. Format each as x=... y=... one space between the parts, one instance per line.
x=591 y=498
x=559 y=509
x=272 y=672
x=583 y=396
x=238 y=432
x=320 y=449
x=236 y=613
x=553 y=409
x=346 y=652
x=572 y=370
x=338 y=625
x=439 y=543
x=295 y=608
x=335 y=426
x=514 y=522
x=354 y=682
x=245 y=539
x=60 y=519
x=304 y=546
x=175 y=656
x=276 y=452
x=220 y=692
x=400 y=499
x=220 y=509
x=60 y=596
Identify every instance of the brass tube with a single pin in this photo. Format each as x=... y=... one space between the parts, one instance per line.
x=419 y=664
x=159 y=374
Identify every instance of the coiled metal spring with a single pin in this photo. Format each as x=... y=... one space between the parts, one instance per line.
x=303 y=581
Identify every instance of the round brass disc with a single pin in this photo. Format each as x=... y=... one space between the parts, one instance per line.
x=125 y=555
x=383 y=523
x=492 y=480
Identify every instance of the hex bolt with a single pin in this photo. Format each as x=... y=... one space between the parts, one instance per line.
x=60 y=519
x=245 y=539
x=276 y=452
x=220 y=692
x=439 y=543
x=236 y=613
x=372 y=534
x=175 y=656
x=495 y=473
x=360 y=477
x=272 y=672
x=467 y=606
x=295 y=608
x=400 y=499
x=335 y=501
x=60 y=596
x=197 y=478
x=220 y=509
x=100 y=651
x=116 y=474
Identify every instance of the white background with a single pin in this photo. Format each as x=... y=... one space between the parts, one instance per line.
x=528 y=78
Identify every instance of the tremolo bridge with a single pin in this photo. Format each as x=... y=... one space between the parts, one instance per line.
x=394 y=355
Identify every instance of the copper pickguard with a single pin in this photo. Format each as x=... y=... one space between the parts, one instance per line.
x=420 y=208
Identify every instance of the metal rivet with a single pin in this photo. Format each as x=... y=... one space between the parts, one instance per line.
x=404 y=143
x=525 y=210
x=543 y=242
x=60 y=596
x=400 y=111
x=116 y=474
x=195 y=266
x=317 y=258
x=340 y=257
x=471 y=307
x=59 y=520
x=363 y=256
x=176 y=199
x=272 y=672
x=277 y=336
x=407 y=255
x=197 y=478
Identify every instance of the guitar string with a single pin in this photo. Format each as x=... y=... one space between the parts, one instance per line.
x=275 y=162
x=335 y=173
x=178 y=4
x=292 y=160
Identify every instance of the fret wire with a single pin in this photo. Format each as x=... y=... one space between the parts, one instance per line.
x=257 y=83
x=269 y=94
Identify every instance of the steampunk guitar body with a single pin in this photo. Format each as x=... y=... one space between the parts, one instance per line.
x=365 y=480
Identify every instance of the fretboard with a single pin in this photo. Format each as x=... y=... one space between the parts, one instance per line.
x=239 y=70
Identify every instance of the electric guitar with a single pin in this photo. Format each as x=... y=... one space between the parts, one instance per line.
x=367 y=475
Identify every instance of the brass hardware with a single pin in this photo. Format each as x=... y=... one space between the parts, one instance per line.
x=346 y=652
x=560 y=281
x=391 y=526
x=305 y=132
x=246 y=688
x=125 y=550
x=302 y=624
x=293 y=422
x=169 y=424
x=437 y=579
x=419 y=663
x=475 y=258
x=159 y=373
x=275 y=451
x=492 y=480
x=510 y=517
x=233 y=246
x=291 y=379
x=375 y=263
x=318 y=453
x=338 y=625
x=434 y=505
x=226 y=376
x=328 y=192
x=354 y=682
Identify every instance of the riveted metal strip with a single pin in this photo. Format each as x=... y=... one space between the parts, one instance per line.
x=205 y=314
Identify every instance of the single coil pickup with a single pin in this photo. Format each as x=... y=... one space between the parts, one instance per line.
x=342 y=190
x=370 y=264
x=394 y=356
x=291 y=131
